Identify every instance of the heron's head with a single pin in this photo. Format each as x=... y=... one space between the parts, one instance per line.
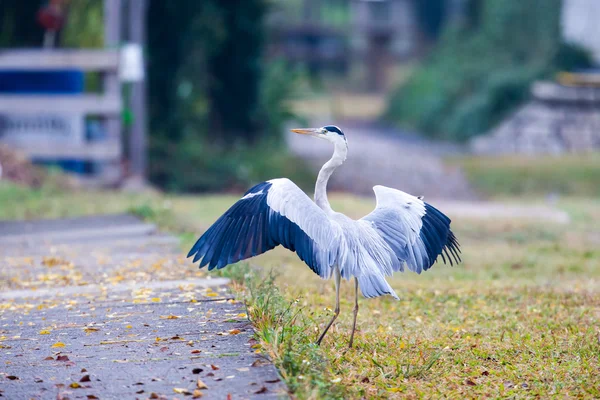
x=330 y=133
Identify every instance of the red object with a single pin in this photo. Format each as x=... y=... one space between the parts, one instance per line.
x=52 y=17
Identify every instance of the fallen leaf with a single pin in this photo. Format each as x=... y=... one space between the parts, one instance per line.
x=201 y=385
x=163 y=349
x=261 y=390
x=12 y=377
x=197 y=370
x=92 y=397
x=49 y=358
x=155 y=299
x=83 y=370
x=75 y=385
x=45 y=332
x=169 y=317
x=214 y=367
x=278 y=380
x=140 y=391
x=128 y=327
x=195 y=351
x=259 y=362
x=182 y=391
x=197 y=394
x=85 y=378
x=153 y=395
x=242 y=315
x=90 y=329
x=211 y=294
x=234 y=331
x=485 y=373
x=62 y=358
x=57 y=345
x=470 y=382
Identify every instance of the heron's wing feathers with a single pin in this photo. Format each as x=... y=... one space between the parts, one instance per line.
x=415 y=231
x=271 y=213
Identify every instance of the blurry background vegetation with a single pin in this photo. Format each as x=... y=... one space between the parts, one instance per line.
x=216 y=106
x=482 y=68
x=219 y=102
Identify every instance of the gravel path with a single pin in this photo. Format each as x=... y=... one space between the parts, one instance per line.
x=89 y=315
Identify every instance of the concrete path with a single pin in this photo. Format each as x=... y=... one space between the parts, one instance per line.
x=381 y=155
x=107 y=308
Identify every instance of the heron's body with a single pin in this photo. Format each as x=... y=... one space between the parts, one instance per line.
x=402 y=231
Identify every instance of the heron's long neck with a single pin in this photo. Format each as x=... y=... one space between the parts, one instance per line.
x=338 y=158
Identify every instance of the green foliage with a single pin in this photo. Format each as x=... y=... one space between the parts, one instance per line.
x=278 y=88
x=200 y=165
x=217 y=110
x=281 y=327
x=84 y=27
x=480 y=72
x=571 y=57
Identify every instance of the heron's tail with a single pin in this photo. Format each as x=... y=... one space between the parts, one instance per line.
x=374 y=285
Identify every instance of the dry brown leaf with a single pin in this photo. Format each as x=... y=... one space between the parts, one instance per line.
x=201 y=385
x=170 y=317
x=214 y=367
x=85 y=378
x=197 y=394
x=195 y=351
x=234 y=331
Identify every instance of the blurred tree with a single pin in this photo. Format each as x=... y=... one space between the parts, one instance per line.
x=210 y=90
x=18 y=23
x=234 y=68
x=431 y=15
x=479 y=72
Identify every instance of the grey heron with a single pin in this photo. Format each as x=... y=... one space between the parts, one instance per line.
x=402 y=230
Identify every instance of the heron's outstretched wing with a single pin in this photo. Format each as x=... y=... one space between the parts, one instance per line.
x=271 y=213
x=416 y=231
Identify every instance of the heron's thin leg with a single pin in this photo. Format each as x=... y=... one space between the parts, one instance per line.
x=337 y=304
x=355 y=310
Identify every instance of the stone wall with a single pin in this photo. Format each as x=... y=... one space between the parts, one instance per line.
x=558 y=119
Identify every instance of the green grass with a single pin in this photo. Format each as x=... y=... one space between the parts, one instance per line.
x=576 y=174
x=517 y=319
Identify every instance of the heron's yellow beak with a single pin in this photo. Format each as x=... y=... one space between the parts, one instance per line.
x=307 y=131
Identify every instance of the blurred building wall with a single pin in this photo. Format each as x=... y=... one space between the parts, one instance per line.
x=581 y=24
